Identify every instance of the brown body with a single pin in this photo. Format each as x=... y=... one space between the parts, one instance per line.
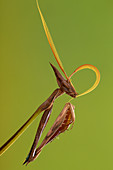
x=63 y=121
x=67 y=115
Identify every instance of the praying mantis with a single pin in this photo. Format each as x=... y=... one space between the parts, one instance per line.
x=67 y=115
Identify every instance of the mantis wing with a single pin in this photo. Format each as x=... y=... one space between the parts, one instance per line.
x=51 y=41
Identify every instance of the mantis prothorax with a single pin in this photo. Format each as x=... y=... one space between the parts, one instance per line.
x=66 y=117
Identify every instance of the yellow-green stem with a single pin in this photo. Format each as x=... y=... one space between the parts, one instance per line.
x=19 y=132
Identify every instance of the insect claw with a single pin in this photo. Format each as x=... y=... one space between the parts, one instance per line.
x=25 y=162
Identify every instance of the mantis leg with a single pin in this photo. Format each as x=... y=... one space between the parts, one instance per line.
x=48 y=103
x=62 y=123
x=41 y=127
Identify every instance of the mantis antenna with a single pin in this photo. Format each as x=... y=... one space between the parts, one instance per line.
x=88 y=66
x=51 y=41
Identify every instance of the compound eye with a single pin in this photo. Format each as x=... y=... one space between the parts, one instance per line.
x=65 y=89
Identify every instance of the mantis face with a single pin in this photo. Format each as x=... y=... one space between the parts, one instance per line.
x=65 y=85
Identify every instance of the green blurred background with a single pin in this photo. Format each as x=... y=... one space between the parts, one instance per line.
x=83 y=34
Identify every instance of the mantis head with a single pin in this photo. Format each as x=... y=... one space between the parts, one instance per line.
x=65 y=85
